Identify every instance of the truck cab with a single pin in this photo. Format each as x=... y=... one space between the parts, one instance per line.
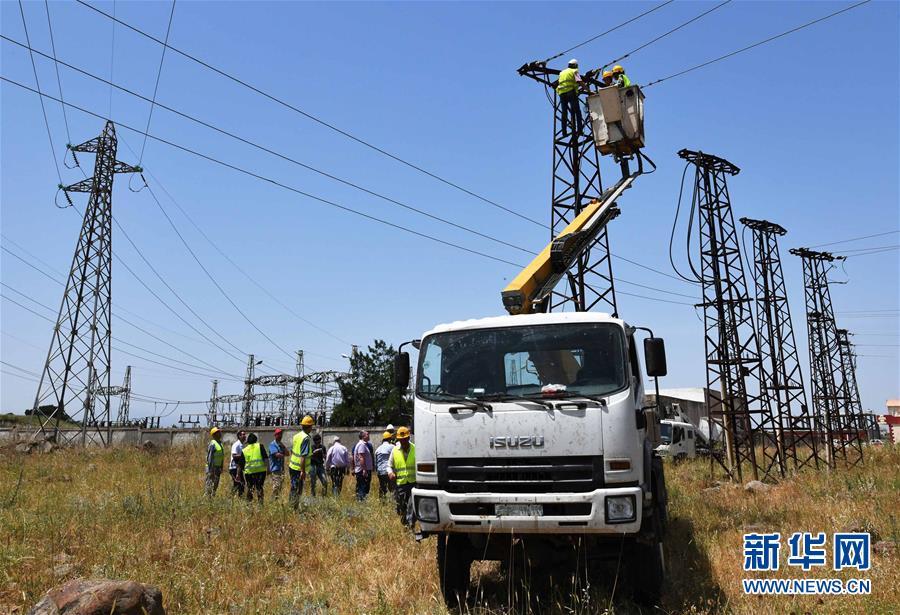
x=531 y=434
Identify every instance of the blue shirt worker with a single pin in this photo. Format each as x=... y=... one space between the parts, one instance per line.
x=383 y=464
x=215 y=459
x=277 y=452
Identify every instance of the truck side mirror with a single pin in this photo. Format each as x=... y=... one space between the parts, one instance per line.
x=655 y=356
x=401 y=370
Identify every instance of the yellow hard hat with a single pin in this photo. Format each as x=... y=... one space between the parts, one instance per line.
x=387 y=435
x=214 y=431
x=308 y=420
x=607 y=73
x=618 y=69
x=403 y=433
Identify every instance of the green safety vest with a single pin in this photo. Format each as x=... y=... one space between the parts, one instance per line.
x=253 y=459
x=626 y=82
x=567 y=81
x=218 y=454
x=296 y=446
x=405 y=469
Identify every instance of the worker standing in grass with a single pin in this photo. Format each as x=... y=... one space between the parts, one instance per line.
x=317 y=466
x=567 y=89
x=255 y=463
x=362 y=465
x=383 y=464
x=277 y=452
x=403 y=470
x=301 y=450
x=337 y=460
x=215 y=458
x=621 y=79
x=236 y=465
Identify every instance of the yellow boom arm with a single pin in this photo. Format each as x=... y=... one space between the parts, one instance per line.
x=532 y=287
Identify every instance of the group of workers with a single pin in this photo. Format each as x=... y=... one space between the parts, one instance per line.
x=570 y=84
x=394 y=463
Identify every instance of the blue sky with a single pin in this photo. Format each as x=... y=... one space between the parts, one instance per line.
x=811 y=119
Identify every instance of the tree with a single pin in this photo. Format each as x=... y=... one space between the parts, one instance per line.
x=368 y=394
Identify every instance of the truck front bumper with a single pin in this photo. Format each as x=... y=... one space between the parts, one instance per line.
x=596 y=512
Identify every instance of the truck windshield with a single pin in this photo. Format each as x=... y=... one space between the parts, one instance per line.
x=589 y=358
x=665 y=432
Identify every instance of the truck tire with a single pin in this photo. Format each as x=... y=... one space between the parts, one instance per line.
x=454 y=566
x=648 y=567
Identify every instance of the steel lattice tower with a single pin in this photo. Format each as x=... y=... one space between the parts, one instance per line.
x=830 y=395
x=576 y=183
x=298 y=387
x=124 y=393
x=781 y=376
x=733 y=366
x=856 y=419
x=75 y=378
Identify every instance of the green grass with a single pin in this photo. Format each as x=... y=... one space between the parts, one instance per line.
x=132 y=514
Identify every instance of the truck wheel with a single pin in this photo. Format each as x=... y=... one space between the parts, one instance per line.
x=648 y=567
x=454 y=566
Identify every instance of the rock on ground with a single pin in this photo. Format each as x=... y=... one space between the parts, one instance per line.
x=755 y=486
x=101 y=597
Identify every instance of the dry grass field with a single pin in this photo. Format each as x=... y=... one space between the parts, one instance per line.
x=132 y=514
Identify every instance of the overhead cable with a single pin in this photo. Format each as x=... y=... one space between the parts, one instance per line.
x=757 y=44
x=834 y=243
x=311 y=116
x=162 y=57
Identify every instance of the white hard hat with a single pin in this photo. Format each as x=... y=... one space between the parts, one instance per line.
x=573 y=62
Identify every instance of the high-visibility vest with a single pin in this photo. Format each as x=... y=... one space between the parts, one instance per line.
x=405 y=468
x=625 y=82
x=567 y=81
x=253 y=459
x=296 y=446
x=218 y=454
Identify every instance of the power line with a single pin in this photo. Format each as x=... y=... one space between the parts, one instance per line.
x=613 y=29
x=280 y=155
x=291 y=189
x=21 y=369
x=38 y=84
x=158 y=75
x=757 y=44
x=58 y=80
x=834 y=243
x=311 y=168
x=665 y=34
x=312 y=117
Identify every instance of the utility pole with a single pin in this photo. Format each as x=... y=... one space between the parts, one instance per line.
x=857 y=420
x=576 y=183
x=780 y=373
x=213 y=404
x=77 y=367
x=248 y=391
x=733 y=366
x=830 y=396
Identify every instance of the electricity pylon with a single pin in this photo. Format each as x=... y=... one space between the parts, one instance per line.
x=733 y=366
x=781 y=375
x=75 y=378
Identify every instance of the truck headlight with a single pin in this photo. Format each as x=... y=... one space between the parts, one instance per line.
x=427 y=509
x=620 y=509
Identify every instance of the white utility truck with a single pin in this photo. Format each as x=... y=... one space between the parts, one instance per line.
x=532 y=439
x=679 y=440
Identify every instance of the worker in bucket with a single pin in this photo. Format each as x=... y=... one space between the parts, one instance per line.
x=567 y=89
x=607 y=78
x=621 y=79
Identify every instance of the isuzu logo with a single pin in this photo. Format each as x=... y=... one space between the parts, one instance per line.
x=517 y=441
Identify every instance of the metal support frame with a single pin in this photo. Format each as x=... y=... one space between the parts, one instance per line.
x=856 y=419
x=780 y=374
x=830 y=393
x=76 y=375
x=576 y=182
x=733 y=366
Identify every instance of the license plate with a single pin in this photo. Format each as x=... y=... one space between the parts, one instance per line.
x=519 y=510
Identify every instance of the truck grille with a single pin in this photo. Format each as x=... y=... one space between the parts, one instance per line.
x=551 y=509
x=521 y=474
